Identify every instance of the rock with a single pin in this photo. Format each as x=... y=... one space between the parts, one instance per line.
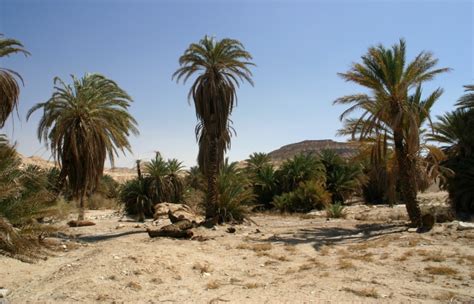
x=465 y=226
x=3 y=293
x=119 y=226
x=412 y=229
x=176 y=212
x=231 y=230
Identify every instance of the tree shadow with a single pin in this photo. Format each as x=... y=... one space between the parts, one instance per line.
x=321 y=236
x=100 y=237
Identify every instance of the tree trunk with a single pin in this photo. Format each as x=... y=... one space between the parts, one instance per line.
x=407 y=178
x=212 y=191
x=80 y=217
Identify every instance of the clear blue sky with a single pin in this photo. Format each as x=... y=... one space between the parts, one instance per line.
x=298 y=46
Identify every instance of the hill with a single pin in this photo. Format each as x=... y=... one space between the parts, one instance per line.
x=344 y=149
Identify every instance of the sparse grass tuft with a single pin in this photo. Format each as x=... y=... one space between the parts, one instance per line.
x=435 y=257
x=202 y=267
x=368 y=293
x=253 y=285
x=255 y=247
x=213 y=285
x=335 y=211
x=441 y=270
x=404 y=256
x=446 y=296
x=345 y=264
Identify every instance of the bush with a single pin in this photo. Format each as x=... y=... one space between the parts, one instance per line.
x=335 y=210
x=300 y=168
x=235 y=193
x=343 y=178
x=134 y=196
x=308 y=196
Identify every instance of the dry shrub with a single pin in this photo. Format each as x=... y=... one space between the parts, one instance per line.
x=435 y=257
x=213 y=285
x=345 y=264
x=369 y=293
x=441 y=270
x=253 y=285
x=202 y=267
x=255 y=247
x=404 y=256
x=446 y=296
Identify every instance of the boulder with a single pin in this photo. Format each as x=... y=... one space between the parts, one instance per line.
x=465 y=226
x=176 y=213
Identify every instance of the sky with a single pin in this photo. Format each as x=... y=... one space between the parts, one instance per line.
x=298 y=48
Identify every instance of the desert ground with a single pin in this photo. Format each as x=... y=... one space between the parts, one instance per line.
x=368 y=257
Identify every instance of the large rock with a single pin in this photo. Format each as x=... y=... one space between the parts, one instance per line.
x=176 y=211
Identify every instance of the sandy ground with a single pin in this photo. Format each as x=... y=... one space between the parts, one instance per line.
x=285 y=259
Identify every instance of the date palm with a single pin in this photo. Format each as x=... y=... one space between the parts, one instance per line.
x=220 y=66
x=84 y=123
x=390 y=80
x=9 y=88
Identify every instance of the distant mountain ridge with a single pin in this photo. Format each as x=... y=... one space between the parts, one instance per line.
x=344 y=149
x=121 y=175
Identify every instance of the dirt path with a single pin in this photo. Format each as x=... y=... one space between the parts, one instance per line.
x=283 y=260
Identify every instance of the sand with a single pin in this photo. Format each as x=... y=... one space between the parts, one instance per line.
x=285 y=259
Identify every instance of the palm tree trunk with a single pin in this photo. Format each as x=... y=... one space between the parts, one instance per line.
x=212 y=192
x=80 y=217
x=407 y=177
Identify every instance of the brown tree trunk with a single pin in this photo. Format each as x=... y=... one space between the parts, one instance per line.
x=407 y=177
x=80 y=217
x=212 y=191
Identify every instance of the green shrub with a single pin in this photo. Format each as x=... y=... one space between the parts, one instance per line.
x=335 y=210
x=300 y=168
x=134 y=196
x=343 y=178
x=235 y=193
x=308 y=196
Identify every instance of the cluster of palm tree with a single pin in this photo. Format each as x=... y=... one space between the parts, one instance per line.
x=304 y=182
x=454 y=132
x=161 y=181
x=393 y=112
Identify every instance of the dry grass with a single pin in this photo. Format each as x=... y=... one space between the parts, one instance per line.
x=324 y=250
x=312 y=263
x=253 y=285
x=213 y=285
x=202 y=267
x=290 y=248
x=448 y=296
x=368 y=293
x=255 y=247
x=365 y=256
x=435 y=257
x=345 y=264
x=134 y=285
x=441 y=270
x=404 y=256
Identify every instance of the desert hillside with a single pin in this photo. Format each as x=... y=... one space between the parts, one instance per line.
x=344 y=149
x=119 y=174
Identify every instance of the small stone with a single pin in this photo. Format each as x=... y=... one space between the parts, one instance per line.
x=412 y=230
x=63 y=246
x=137 y=226
x=231 y=230
x=4 y=292
x=119 y=226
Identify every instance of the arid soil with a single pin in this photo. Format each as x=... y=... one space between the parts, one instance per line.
x=283 y=259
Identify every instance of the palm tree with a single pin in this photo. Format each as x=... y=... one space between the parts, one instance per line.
x=467 y=100
x=9 y=88
x=385 y=73
x=220 y=67
x=84 y=123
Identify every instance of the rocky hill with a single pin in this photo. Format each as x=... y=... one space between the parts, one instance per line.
x=344 y=149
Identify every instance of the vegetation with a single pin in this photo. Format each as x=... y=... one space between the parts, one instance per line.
x=335 y=210
x=9 y=88
x=160 y=182
x=390 y=79
x=84 y=123
x=220 y=65
x=458 y=147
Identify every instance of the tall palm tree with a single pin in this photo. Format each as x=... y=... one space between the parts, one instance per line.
x=9 y=88
x=390 y=79
x=220 y=67
x=83 y=123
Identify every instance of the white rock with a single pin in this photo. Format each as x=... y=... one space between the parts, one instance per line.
x=465 y=226
x=4 y=292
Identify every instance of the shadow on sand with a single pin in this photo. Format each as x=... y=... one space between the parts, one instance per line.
x=336 y=235
x=100 y=237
